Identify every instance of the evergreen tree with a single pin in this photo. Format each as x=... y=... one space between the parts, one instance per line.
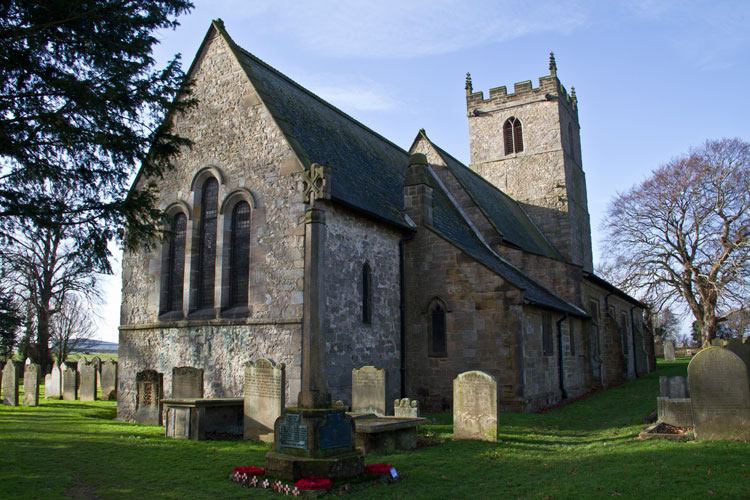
x=81 y=107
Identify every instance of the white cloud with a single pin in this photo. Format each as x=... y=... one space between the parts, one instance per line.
x=399 y=29
x=351 y=93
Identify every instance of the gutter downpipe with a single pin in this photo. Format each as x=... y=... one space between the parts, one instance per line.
x=632 y=336
x=402 y=307
x=560 y=356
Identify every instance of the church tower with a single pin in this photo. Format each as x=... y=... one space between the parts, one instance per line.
x=528 y=145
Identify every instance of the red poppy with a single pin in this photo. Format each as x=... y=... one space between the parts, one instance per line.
x=378 y=469
x=314 y=483
x=250 y=470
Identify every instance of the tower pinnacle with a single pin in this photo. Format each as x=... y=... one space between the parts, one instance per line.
x=552 y=64
x=469 y=88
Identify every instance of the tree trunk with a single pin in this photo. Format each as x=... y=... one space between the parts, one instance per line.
x=42 y=339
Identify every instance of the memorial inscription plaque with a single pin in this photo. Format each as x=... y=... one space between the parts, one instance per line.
x=292 y=434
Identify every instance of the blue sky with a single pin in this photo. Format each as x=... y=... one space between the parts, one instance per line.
x=653 y=77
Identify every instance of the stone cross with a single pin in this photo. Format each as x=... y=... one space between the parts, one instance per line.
x=314 y=391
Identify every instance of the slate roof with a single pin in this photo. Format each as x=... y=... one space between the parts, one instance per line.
x=503 y=212
x=367 y=170
x=450 y=224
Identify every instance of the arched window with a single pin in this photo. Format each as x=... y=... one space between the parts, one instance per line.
x=366 y=294
x=513 y=136
x=207 y=251
x=437 y=343
x=239 y=260
x=175 y=265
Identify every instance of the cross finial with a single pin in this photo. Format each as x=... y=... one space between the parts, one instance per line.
x=469 y=88
x=552 y=64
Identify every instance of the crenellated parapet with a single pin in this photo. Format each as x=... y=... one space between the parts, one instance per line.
x=549 y=89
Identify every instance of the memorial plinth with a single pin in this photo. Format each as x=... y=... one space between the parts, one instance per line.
x=314 y=442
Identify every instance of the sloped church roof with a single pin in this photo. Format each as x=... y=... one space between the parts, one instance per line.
x=368 y=171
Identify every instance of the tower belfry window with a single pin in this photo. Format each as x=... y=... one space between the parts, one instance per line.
x=513 y=136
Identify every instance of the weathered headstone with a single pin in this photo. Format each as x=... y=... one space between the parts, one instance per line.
x=150 y=392
x=53 y=390
x=406 y=408
x=720 y=395
x=673 y=405
x=88 y=382
x=187 y=382
x=82 y=361
x=109 y=380
x=369 y=390
x=475 y=406
x=10 y=384
x=31 y=384
x=69 y=382
x=97 y=362
x=669 y=351
x=264 y=398
x=741 y=349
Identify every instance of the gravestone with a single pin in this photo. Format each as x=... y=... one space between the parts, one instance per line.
x=475 y=406
x=97 y=362
x=187 y=382
x=87 y=386
x=109 y=380
x=264 y=398
x=69 y=382
x=54 y=389
x=81 y=363
x=10 y=384
x=150 y=392
x=406 y=408
x=369 y=390
x=669 y=351
x=741 y=349
x=31 y=384
x=673 y=405
x=720 y=395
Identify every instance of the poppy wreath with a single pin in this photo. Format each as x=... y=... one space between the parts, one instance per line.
x=314 y=483
x=378 y=469
x=250 y=471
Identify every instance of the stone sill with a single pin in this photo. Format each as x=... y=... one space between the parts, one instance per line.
x=211 y=322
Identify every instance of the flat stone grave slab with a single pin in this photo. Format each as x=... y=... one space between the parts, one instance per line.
x=383 y=435
x=198 y=419
x=720 y=395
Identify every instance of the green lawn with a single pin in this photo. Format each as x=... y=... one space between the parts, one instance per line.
x=585 y=450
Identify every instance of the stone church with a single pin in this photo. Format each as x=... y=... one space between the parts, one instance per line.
x=420 y=265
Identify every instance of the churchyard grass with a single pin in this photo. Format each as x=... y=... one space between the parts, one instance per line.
x=584 y=450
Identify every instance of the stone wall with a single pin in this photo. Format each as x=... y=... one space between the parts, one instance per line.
x=546 y=177
x=237 y=142
x=483 y=323
x=351 y=242
x=221 y=349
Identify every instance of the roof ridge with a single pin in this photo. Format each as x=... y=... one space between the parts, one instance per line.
x=315 y=96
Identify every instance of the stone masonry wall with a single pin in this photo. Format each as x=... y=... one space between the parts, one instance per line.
x=236 y=139
x=220 y=350
x=351 y=242
x=483 y=323
x=545 y=178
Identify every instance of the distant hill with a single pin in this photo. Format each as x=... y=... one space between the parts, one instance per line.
x=99 y=346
